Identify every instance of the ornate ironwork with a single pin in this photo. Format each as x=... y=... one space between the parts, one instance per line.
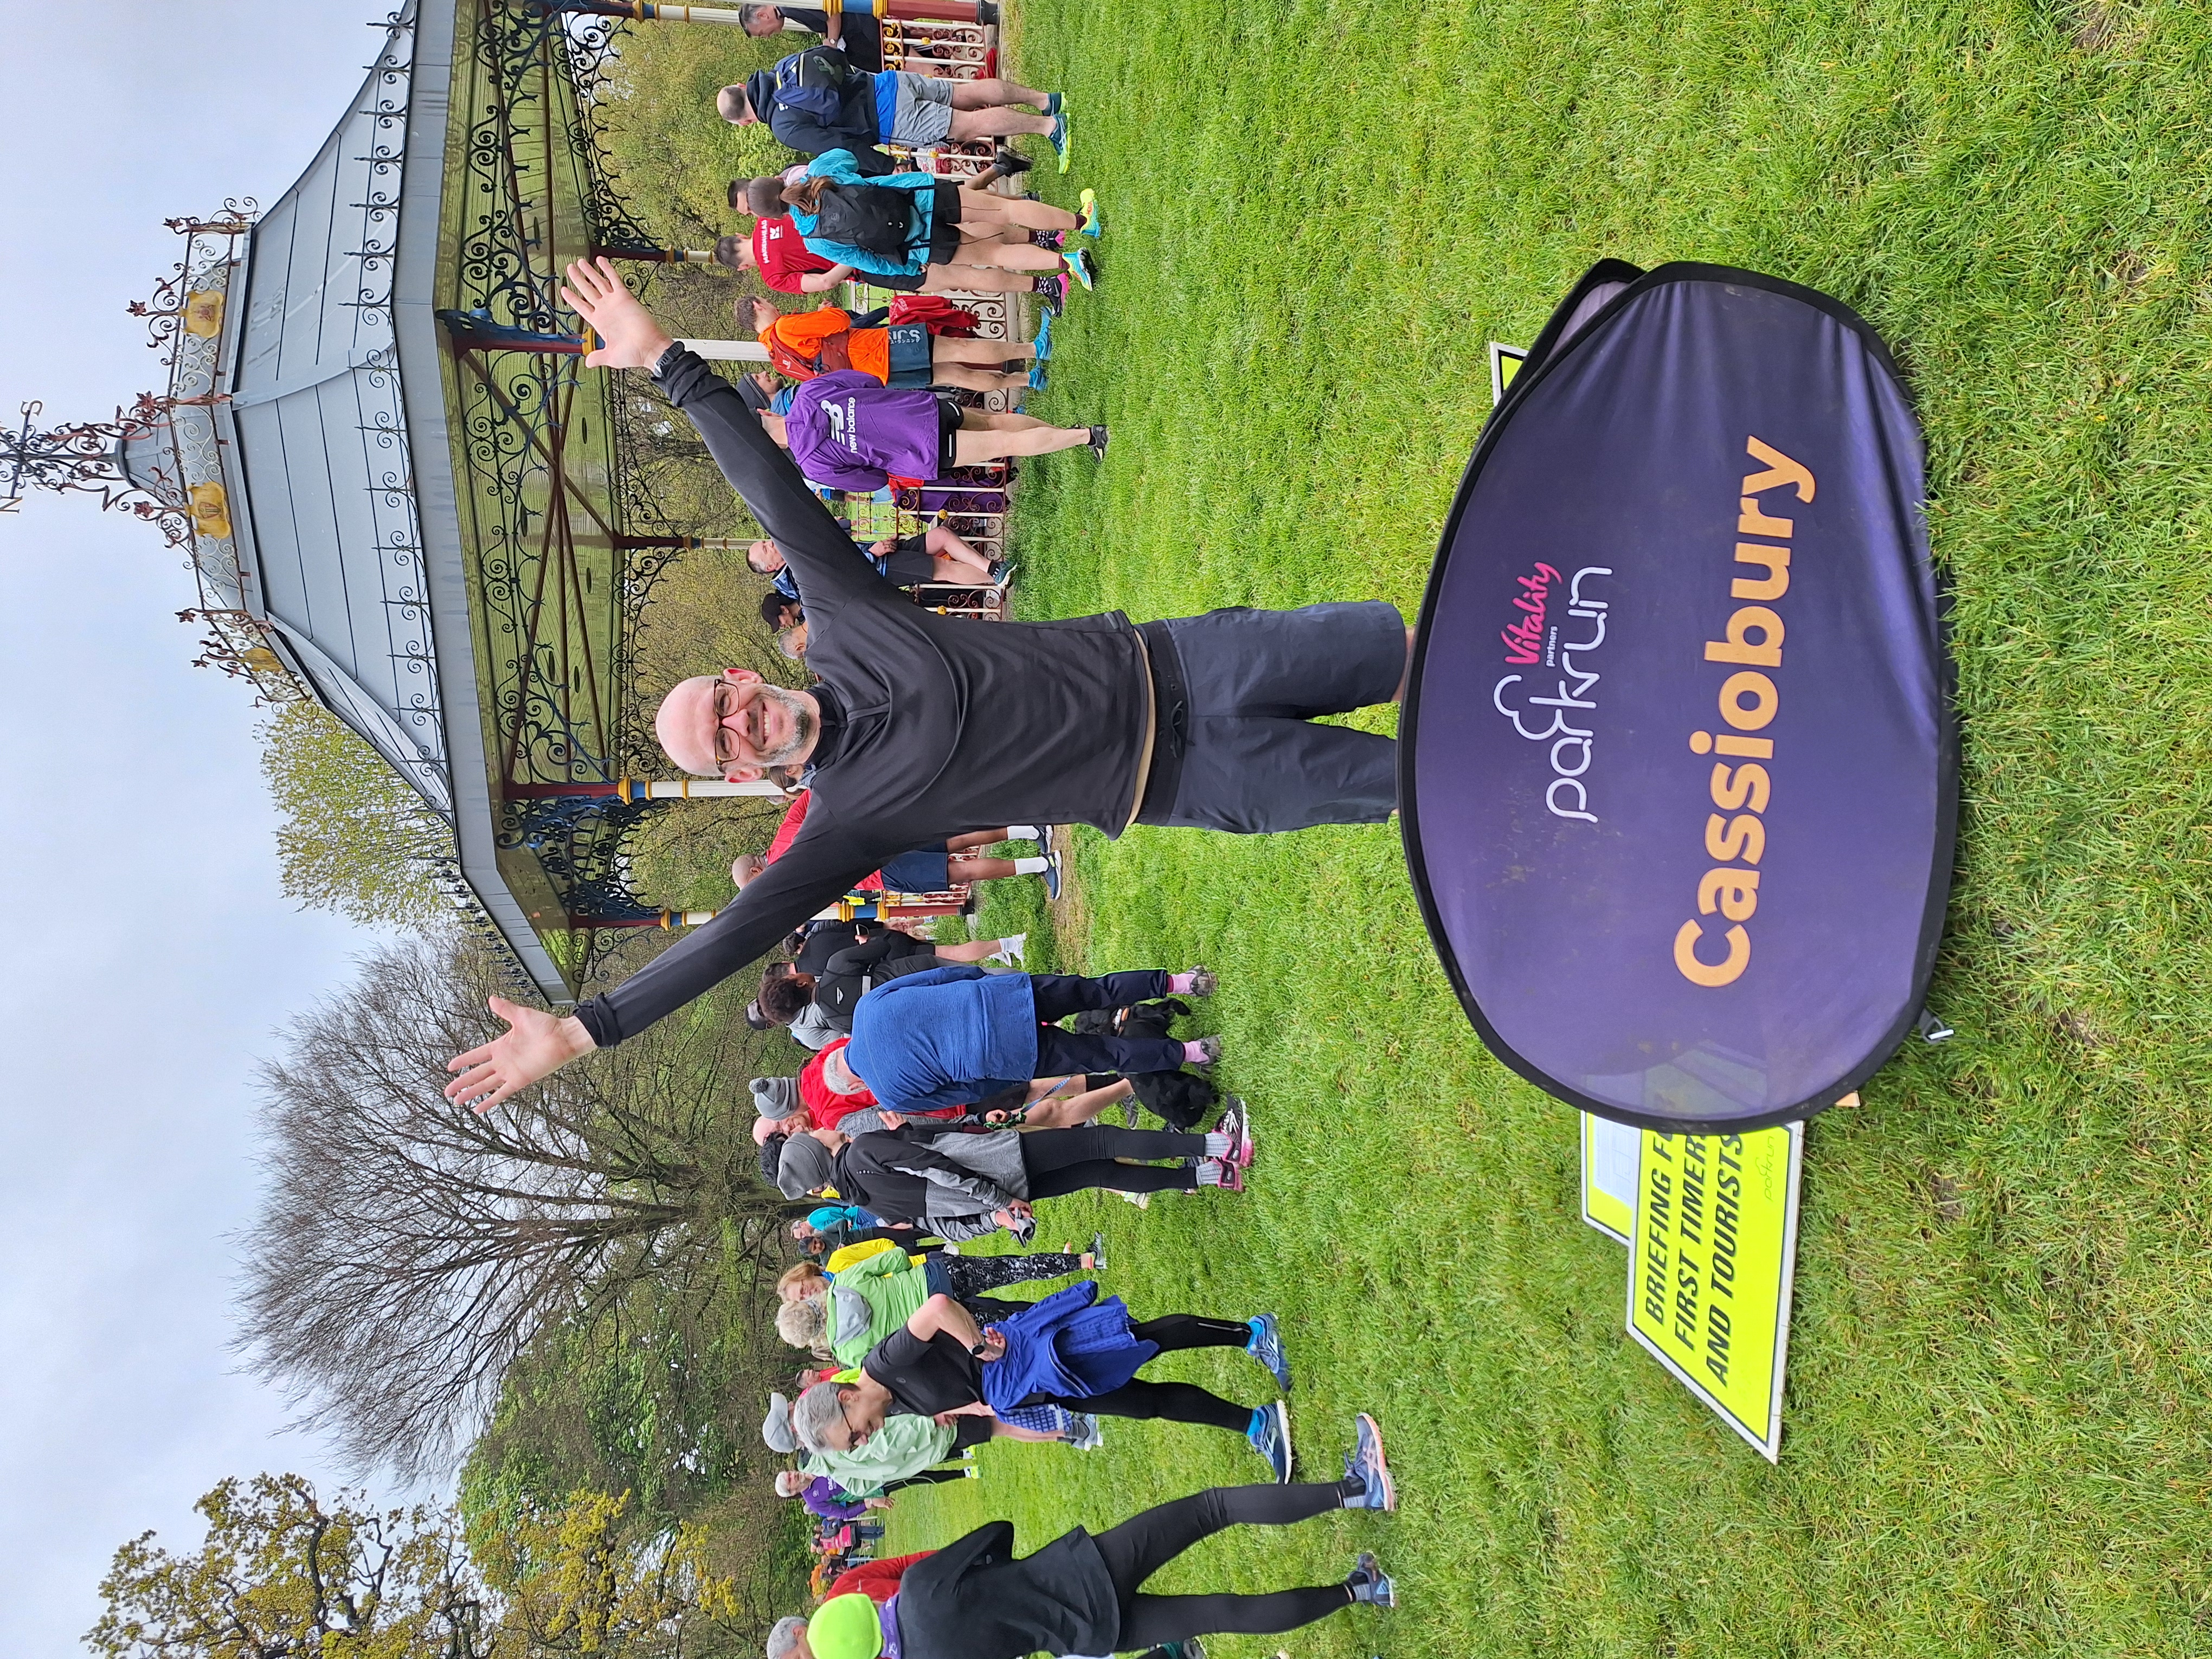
x=579 y=842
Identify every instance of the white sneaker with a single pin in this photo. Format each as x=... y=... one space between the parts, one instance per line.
x=1011 y=949
x=1142 y=1201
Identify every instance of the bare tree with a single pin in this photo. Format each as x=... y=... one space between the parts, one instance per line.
x=408 y=1248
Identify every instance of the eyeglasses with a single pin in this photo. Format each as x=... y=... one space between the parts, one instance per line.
x=722 y=697
x=854 y=1437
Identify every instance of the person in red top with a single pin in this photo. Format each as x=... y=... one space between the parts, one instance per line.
x=925 y=871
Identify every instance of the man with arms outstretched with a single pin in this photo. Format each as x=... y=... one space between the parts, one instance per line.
x=923 y=727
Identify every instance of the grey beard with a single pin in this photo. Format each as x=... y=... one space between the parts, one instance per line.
x=803 y=727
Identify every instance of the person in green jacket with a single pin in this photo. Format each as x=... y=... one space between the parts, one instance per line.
x=850 y=1311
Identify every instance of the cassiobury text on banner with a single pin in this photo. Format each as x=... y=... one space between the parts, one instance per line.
x=1678 y=768
x=1711 y=1259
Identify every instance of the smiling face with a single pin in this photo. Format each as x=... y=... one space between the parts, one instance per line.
x=763 y=558
x=734 y=726
x=856 y=1421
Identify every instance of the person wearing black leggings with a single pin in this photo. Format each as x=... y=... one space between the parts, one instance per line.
x=975 y=1599
x=1069 y=1350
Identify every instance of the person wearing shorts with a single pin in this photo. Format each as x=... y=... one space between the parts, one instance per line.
x=964 y=226
x=849 y=431
x=817 y=100
x=905 y=356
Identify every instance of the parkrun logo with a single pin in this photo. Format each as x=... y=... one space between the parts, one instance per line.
x=1748 y=702
x=1532 y=639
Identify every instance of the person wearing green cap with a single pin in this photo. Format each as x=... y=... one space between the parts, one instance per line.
x=1083 y=1593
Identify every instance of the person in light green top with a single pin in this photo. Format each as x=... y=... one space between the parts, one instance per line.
x=903 y=1447
x=850 y=1311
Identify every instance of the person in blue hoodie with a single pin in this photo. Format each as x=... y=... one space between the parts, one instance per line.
x=950 y=1037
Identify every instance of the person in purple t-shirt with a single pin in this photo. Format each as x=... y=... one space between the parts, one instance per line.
x=848 y=430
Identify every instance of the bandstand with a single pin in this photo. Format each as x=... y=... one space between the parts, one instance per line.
x=393 y=510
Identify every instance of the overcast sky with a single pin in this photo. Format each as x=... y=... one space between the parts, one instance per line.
x=151 y=954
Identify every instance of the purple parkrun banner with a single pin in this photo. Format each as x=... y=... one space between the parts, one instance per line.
x=1678 y=773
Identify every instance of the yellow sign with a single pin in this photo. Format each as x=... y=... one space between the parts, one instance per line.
x=1505 y=362
x=1711 y=1257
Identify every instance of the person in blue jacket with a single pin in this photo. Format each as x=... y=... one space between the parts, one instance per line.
x=817 y=100
x=945 y=224
x=950 y=1037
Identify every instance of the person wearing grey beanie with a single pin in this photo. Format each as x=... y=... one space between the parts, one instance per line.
x=805 y=1165
x=775 y=1097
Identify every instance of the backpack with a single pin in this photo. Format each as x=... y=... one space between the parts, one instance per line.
x=811 y=84
x=870 y=216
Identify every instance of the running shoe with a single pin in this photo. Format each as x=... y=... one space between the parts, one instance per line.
x=1083 y=1431
x=1052 y=102
x=1238 y=1127
x=1008 y=162
x=1054 y=239
x=1209 y=1048
x=1052 y=292
x=1368 y=1583
x=1098 y=441
x=1098 y=1252
x=1266 y=1347
x=1228 y=1177
x=1270 y=1436
x=1059 y=137
x=1129 y=1112
x=1203 y=981
x=1079 y=266
x=1011 y=948
x=1044 y=338
x=1051 y=874
x=1038 y=381
x=971 y=1474
x=1090 y=221
x=1002 y=571
x=1365 y=1462
x=1142 y=1201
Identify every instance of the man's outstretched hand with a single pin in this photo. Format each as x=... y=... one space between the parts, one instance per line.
x=536 y=1045
x=629 y=337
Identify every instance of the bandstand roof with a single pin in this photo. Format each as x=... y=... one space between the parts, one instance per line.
x=427 y=541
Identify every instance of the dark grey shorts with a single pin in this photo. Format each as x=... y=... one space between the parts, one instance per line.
x=1241 y=724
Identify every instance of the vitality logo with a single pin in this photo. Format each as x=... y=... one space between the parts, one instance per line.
x=1534 y=639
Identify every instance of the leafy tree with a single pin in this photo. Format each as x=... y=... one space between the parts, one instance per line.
x=408 y=1248
x=672 y=155
x=354 y=838
x=282 y=1576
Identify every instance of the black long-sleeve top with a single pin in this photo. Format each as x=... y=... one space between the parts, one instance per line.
x=932 y=726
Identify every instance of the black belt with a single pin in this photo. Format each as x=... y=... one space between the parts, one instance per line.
x=1171 y=724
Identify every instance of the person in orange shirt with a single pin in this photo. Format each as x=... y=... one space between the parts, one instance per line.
x=805 y=343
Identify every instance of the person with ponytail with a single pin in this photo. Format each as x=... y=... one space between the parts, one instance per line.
x=900 y=223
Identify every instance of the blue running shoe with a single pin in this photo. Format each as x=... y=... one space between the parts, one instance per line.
x=1059 y=139
x=1366 y=1463
x=1079 y=268
x=1090 y=221
x=1368 y=1583
x=1044 y=338
x=1266 y=1347
x=1053 y=100
x=1038 y=381
x=1270 y=1436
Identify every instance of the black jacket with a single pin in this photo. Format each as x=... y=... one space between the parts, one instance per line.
x=897 y=1175
x=974 y=1599
x=863 y=37
x=858 y=968
x=928 y=1377
x=932 y=726
x=853 y=128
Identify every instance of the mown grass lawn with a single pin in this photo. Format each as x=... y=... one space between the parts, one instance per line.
x=1997 y=1435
